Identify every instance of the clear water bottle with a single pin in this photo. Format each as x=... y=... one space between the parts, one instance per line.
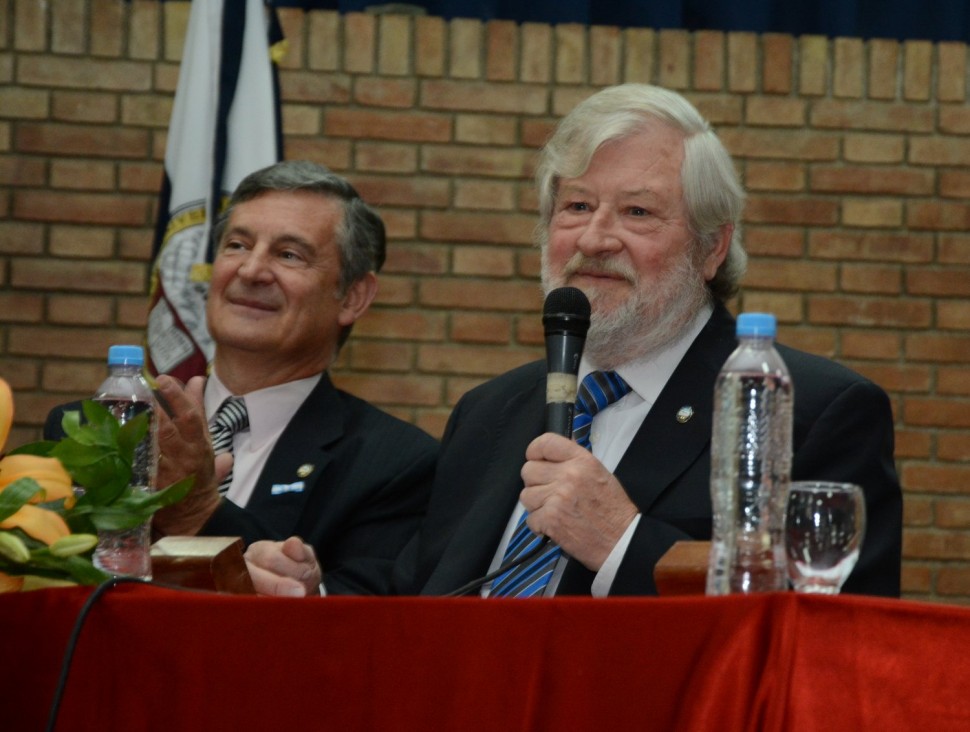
x=750 y=463
x=127 y=394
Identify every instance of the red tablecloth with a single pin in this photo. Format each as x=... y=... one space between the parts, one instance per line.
x=156 y=659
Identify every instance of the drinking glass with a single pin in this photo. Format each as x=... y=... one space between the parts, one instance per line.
x=824 y=528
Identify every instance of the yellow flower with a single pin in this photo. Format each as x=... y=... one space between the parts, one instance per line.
x=54 y=480
x=48 y=472
x=43 y=525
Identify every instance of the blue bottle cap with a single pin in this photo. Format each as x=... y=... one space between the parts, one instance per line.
x=126 y=355
x=757 y=324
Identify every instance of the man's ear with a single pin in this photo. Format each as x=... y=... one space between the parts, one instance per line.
x=718 y=253
x=357 y=299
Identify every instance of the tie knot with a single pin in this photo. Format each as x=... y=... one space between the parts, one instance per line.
x=231 y=416
x=599 y=389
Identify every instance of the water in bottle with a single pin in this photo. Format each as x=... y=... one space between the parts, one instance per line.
x=750 y=463
x=127 y=394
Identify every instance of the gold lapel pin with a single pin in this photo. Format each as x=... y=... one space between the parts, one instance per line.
x=684 y=414
x=304 y=470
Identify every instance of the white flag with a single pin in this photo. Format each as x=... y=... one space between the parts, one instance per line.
x=225 y=125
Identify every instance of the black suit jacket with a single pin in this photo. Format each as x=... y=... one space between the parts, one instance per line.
x=366 y=475
x=843 y=430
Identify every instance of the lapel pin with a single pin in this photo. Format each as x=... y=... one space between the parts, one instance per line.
x=684 y=414
x=304 y=470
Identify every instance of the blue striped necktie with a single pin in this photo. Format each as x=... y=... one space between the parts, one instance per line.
x=231 y=417
x=597 y=391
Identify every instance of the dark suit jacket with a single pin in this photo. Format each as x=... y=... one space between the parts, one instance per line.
x=367 y=477
x=843 y=430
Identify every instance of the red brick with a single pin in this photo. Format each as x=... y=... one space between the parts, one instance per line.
x=849 y=66
x=790 y=275
x=65 y=139
x=132 y=312
x=429 y=45
x=774 y=241
x=20 y=307
x=361 y=354
x=416 y=259
x=954 y=249
x=481 y=295
x=501 y=54
x=394 y=48
x=709 y=60
x=936 y=412
x=605 y=52
x=79 y=310
x=28 y=103
x=570 y=53
x=775 y=112
x=93 y=208
x=486 y=195
x=953 y=380
x=951 y=282
x=956 y=447
x=397 y=191
x=894 y=378
x=140 y=177
x=483 y=261
x=84 y=73
x=881 y=312
x=954 y=184
x=951 y=78
x=82 y=241
x=386 y=323
x=399 y=390
x=335 y=154
x=323 y=26
x=535 y=45
x=465 y=45
x=78 y=276
x=912 y=444
x=467 y=161
x=21 y=171
x=359 y=42
x=872 y=213
x=378 y=92
x=915 y=249
x=107 y=16
x=955 y=119
x=415 y=127
x=742 y=62
x=774 y=176
x=386 y=157
x=787 y=307
x=945 y=348
x=18 y=237
x=480 y=328
x=471 y=360
x=467 y=96
x=484 y=129
x=67 y=342
x=830 y=179
x=780 y=144
x=866 y=148
x=304 y=86
x=20 y=374
x=938 y=216
x=791 y=210
x=673 y=47
x=477 y=227
x=83 y=174
x=874 y=279
x=640 y=50
x=813 y=59
x=871 y=116
x=917 y=69
x=777 y=63
x=927 y=478
x=938 y=150
x=871 y=344
x=883 y=68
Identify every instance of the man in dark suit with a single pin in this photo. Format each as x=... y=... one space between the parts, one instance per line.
x=298 y=252
x=639 y=208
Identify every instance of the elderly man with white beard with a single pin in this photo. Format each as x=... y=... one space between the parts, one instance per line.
x=639 y=209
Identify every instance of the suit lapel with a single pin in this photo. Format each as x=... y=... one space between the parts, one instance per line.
x=678 y=428
x=299 y=457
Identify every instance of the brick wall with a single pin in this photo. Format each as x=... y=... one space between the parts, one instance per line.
x=855 y=155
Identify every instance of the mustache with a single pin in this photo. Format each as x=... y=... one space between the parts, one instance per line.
x=580 y=263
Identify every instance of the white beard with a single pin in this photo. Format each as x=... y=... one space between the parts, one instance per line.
x=647 y=320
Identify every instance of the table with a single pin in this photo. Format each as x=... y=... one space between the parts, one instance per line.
x=160 y=659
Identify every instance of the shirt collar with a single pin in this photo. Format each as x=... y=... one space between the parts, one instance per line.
x=269 y=409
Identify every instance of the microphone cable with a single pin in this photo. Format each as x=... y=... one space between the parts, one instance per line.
x=72 y=641
x=481 y=581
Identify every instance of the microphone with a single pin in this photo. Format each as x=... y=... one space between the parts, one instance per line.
x=565 y=317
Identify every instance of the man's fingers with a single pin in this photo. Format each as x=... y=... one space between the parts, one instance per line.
x=268 y=583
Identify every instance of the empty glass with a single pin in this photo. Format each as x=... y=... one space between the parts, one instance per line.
x=825 y=526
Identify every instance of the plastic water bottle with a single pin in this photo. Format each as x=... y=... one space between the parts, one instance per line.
x=127 y=394
x=750 y=463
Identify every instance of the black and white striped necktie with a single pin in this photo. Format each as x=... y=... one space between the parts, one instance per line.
x=231 y=417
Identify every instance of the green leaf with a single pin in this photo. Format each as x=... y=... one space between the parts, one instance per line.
x=16 y=495
x=42 y=448
x=131 y=433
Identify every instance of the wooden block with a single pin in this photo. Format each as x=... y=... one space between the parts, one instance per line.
x=683 y=569
x=202 y=562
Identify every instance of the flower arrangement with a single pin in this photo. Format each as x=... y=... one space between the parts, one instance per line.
x=56 y=496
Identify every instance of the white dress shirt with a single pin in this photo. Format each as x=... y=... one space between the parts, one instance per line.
x=270 y=410
x=611 y=433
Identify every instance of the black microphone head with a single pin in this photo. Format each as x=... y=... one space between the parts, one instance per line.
x=566 y=310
